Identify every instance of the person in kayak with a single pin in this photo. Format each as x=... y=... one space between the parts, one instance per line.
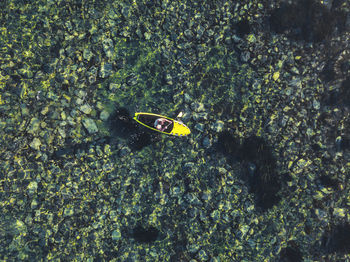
x=161 y=124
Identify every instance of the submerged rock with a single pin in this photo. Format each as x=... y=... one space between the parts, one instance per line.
x=90 y=125
x=86 y=109
x=108 y=47
x=32 y=187
x=35 y=144
x=116 y=235
x=106 y=70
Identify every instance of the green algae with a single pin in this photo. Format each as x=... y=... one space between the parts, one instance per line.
x=68 y=66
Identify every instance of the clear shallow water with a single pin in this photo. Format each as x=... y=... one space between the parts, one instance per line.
x=263 y=175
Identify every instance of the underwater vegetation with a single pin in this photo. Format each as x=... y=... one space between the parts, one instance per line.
x=79 y=174
x=327 y=181
x=337 y=67
x=345 y=143
x=263 y=178
x=338 y=97
x=291 y=253
x=260 y=166
x=145 y=235
x=243 y=28
x=228 y=145
x=307 y=20
x=337 y=240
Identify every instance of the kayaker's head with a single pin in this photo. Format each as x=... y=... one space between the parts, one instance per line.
x=158 y=124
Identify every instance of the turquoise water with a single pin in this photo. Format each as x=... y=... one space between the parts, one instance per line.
x=264 y=88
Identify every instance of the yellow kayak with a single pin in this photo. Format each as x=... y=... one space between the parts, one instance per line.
x=162 y=124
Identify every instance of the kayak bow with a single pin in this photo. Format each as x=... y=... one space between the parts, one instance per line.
x=174 y=127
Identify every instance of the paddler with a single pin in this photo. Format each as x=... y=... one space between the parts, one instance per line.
x=161 y=124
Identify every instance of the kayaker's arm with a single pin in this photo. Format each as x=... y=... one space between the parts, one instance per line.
x=168 y=123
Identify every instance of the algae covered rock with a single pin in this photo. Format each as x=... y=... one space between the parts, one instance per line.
x=90 y=125
x=32 y=187
x=106 y=70
x=116 y=235
x=35 y=144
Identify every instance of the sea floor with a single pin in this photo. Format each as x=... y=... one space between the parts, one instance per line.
x=264 y=87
